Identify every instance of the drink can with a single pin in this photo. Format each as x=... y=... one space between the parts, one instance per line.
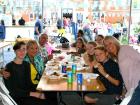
x=74 y=67
x=70 y=77
x=64 y=68
x=79 y=79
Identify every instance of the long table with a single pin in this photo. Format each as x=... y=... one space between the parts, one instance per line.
x=46 y=84
x=60 y=84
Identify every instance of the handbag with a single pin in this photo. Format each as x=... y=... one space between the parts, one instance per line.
x=65 y=42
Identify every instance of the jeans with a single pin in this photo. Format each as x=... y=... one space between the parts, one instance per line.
x=36 y=37
x=135 y=100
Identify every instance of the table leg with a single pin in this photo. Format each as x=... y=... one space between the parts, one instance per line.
x=60 y=100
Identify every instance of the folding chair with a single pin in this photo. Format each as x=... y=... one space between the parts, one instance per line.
x=128 y=97
x=5 y=97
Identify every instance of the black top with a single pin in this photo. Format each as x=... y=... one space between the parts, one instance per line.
x=21 y=21
x=19 y=83
x=112 y=69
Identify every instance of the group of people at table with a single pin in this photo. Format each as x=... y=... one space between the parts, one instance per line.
x=117 y=66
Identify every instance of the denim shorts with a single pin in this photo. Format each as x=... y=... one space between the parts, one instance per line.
x=135 y=100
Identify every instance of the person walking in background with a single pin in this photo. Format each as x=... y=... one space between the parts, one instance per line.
x=74 y=26
x=13 y=20
x=87 y=30
x=21 y=21
x=59 y=23
x=2 y=30
x=38 y=28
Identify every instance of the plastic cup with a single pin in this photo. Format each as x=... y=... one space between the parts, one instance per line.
x=74 y=67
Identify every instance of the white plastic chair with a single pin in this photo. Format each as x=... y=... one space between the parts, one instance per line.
x=5 y=97
x=127 y=97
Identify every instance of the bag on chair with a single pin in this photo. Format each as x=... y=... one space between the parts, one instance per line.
x=65 y=42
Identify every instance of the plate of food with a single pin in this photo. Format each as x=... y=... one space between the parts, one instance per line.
x=56 y=67
x=61 y=58
x=90 y=75
x=64 y=76
x=80 y=68
x=54 y=75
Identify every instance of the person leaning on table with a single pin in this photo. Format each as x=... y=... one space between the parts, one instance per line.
x=109 y=75
x=129 y=64
x=19 y=83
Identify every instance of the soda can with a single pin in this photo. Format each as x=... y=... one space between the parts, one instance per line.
x=74 y=67
x=70 y=77
x=80 y=79
x=64 y=68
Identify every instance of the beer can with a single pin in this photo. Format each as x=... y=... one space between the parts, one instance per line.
x=74 y=67
x=70 y=77
x=79 y=79
x=64 y=68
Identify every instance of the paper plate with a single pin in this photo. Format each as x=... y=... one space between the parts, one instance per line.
x=90 y=75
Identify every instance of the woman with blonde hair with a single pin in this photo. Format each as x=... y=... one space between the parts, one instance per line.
x=89 y=56
x=129 y=63
x=34 y=58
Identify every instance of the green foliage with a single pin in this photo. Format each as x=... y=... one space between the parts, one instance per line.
x=137 y=29
x=124 y=39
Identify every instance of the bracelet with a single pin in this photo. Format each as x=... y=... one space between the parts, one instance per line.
x=107 y=75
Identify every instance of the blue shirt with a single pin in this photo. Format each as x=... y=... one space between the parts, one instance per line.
x=39 y=25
